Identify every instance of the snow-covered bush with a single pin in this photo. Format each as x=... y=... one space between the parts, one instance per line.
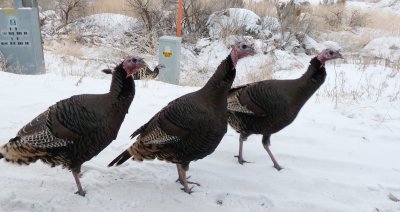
x=233 y=21
x=387 y=48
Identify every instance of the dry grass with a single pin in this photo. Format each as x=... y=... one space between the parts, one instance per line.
x=372 y=18
x=367 y=88
x=262 y=8
x=116 y=6
x=385 y=21
x=5 y=3
x=109 y=6
x=321 y=14
x=69 y=49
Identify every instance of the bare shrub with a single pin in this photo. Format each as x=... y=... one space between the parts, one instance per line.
x=383 y=20
x=70 y=10
x=357 y=19
x=235 y=26
x=152 y=15
x=109 y=6
x=148 y=11
x=146 y=42
x=195 y=16
x=294 y=24
x=335 y=17
x=231 y=3
x=262 y=8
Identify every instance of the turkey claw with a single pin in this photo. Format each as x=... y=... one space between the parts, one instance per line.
x=81 y=193
x=189 y=182
x=241 y=160
x=189 y=191
x=278 y=167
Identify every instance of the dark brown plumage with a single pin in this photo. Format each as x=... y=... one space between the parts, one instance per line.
x=76 y=129
x=267 y=107
x=146 y=73
x=190 y=127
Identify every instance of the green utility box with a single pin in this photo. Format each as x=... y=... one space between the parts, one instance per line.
x=20 y=38
x=170 y=55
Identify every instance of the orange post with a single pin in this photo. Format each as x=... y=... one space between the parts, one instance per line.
x=179 y=19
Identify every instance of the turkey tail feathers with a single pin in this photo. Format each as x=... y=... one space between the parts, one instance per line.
x=140 y=130
x=107 y=71
x=134 y=134
x=124 y=156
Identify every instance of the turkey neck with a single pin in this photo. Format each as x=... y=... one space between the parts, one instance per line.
x=122 y=88
x=156 y=71
x=220 y=82
x=310 y=81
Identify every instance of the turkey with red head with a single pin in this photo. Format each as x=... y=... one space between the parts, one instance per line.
x=268 y=106
x=190 y=127
x=74 y=130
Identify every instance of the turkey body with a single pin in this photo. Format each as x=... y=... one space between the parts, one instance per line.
x=74 y=130
x=266 y=107
x=188 y=128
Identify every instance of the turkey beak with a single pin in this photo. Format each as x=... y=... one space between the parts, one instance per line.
x=252 y=50
x=141 y=63
x=339 y=55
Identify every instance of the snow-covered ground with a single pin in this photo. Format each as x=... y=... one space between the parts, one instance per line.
x=342 y=152
x=343 y=158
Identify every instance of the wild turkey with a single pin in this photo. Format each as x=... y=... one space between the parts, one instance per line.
x=143 y=73
x=190 y=127
x=267 y=107
x=76 y=129
x=146 y=73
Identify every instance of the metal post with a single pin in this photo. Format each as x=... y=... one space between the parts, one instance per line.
x=179 y=19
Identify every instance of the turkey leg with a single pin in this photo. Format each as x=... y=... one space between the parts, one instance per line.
x=76 y=174
x=266 y=143
x=240 y=156
x=183 y=179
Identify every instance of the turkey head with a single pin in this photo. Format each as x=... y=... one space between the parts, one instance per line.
x=132 y=65
x=241 y=50
x=328 y=54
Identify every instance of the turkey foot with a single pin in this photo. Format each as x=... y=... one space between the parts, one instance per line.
x=277 y=167
x=189 y=191
x=241 y=160
x=240 y=156
x=189 y=182
x=81 y=192
x=183 y=179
